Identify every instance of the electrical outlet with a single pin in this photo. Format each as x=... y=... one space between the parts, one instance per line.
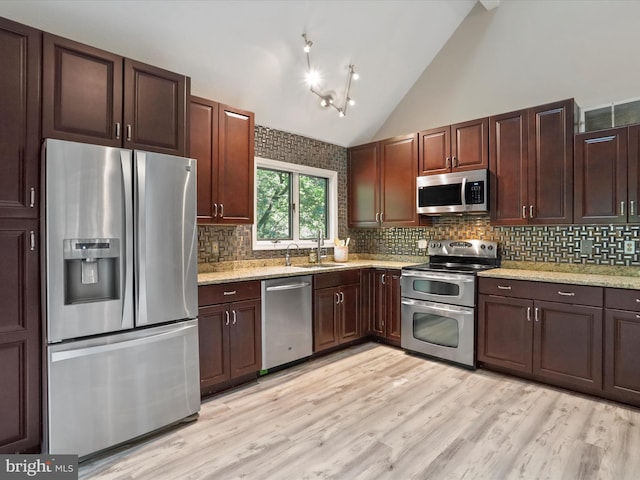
x=629 y=247
x=586 y=247
x=422 y=244
x=215 y=249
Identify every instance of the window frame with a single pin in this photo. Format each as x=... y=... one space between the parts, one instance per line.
x=295 y=170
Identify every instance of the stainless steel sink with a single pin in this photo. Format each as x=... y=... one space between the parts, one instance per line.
x=320 y=265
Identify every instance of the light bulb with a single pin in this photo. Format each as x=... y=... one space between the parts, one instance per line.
x=355 y=76
x=307 y=47
x=352 y=102
x=313 y=78
x=341 y=113
x=323 y=102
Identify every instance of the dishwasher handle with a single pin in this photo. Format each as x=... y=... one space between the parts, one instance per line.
x=288 y=286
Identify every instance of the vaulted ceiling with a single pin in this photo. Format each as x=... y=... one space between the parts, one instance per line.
x=249 y=53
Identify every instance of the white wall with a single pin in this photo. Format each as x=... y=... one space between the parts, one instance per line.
x=525 y=53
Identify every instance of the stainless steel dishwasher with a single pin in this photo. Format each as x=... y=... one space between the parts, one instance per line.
x=287 y=328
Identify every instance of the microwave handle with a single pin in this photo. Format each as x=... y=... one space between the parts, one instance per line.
x=462 y=193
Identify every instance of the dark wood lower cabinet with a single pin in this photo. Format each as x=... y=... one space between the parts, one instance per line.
x=556 y=342
x=386 y=306
x=336 y=311
x=20 y=340
x=230 y=337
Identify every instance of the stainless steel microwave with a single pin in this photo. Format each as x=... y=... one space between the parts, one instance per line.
x=457 y=192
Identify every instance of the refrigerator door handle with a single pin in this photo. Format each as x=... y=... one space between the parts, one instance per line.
x=127 y=287
x=141 y=241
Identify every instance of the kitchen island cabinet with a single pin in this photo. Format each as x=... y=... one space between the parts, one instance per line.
x=20 y=335
x=549 y=332
x=531 y=164
x=336 y=309
x=454 y=148
x=230 y=339
x=93 y=96
x=222 y=141
x=382 y=183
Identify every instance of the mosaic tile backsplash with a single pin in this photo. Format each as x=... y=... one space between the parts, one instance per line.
x=553 y=244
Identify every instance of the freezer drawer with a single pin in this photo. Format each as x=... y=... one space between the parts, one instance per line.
x=107 y=390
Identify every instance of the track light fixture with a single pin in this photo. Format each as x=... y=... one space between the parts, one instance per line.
x=313 y=79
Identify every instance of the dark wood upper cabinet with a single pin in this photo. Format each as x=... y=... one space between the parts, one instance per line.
x=600 y=175
x=363 y=177
x=633 y=174
x=399 y=163
x=222 y=141
x=531 y=165
x=155 y=106
x=382 y=183
x=235 y=167
x=93 y=96
x=19 y=120
x=459 y=147
x=81 y=92
x=551 y=130
x=509 y=167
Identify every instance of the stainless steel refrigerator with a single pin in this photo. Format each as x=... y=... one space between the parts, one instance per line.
x=121 y=294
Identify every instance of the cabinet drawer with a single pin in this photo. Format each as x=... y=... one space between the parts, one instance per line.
x=505 y=288
x=622 y=299
x=228 y=292
x=334 y=279
x=553 y=292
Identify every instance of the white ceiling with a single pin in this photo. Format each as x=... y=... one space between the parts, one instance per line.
x=248 y=53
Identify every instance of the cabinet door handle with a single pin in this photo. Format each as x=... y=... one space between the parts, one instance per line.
x=215 y=209
x=227 y=315
x=221 y=210
x=117 y=130
x=341 y=297
x=528 y=314
x=456 y=162
x=531 y=211
x=524 y=211
x=637 y=300
x=377 y=217
x=230 y=292
x=381 y=217
x=632 y=208
x=567 y=294
x=382 y=279
x=621 y=209
x=637 y=316
x=337 y=298
x=504 y=287
x=235 y=318
x=537 y=314
x=447 y=162
x=129 y=130
x=32 y=197
x=32 y=240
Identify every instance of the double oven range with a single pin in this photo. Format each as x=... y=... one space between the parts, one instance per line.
x=439 y=299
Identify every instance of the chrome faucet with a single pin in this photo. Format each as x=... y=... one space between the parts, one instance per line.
x=287 y=256
x=320 y=241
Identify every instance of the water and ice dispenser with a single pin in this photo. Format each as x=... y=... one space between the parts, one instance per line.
x=91 y=270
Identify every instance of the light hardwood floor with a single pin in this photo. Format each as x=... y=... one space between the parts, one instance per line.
x=374 y=412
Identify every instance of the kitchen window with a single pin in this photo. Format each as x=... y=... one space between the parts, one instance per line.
x=293 y=202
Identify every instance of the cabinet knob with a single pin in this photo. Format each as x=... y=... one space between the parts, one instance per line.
x=524 y=211
x=528 y=314
x=32 y=197
x=32 y=240
x=221 y=210
x=235 y=318
x=531 y=211
x=215 y=209
x=622 y=209
x=448 y=162
x=455 y=161
x=632 y=208
x=341 y=297
x=117 y=130
x=337 y=298
x=537 y=314
x=226 y=314
x=129 y=132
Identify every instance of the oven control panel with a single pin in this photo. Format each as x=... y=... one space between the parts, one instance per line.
x=463 y=248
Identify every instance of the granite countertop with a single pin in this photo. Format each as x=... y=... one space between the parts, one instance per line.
x=594 y=275
x=249 y=271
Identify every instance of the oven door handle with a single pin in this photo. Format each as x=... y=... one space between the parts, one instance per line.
x=434 y=306
x=438 y=276
x=463 y=194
